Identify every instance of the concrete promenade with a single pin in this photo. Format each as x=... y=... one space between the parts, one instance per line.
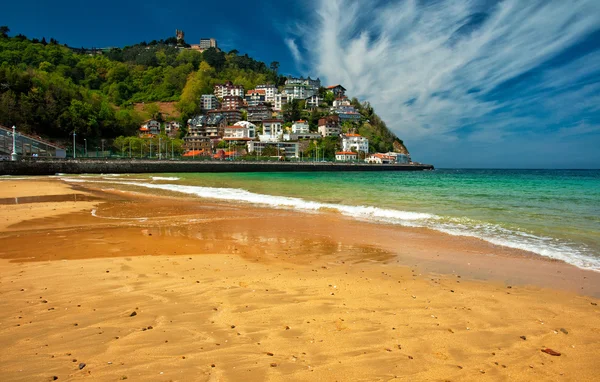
x=88 y=166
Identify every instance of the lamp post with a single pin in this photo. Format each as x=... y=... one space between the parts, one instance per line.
x=159 y=149
x=85 y=146
x=13 y=155
x=74 y=153
x=103 y=147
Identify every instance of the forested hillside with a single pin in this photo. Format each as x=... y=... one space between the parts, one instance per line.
x=52 y=90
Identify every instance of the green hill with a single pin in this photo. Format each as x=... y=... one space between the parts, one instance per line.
x=51 y=90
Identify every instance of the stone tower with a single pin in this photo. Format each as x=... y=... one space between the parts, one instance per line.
x=179 y=35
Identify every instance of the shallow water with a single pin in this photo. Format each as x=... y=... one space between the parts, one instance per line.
x=554 y=213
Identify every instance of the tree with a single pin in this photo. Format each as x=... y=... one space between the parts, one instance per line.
x=44 y=41
x=292 y=111
x=214 y=58
x=4 y=31
x=274 y=66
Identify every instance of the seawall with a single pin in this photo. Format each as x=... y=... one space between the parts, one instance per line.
x=43 y=167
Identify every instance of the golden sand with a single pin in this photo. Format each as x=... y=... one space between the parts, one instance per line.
x=226 y=292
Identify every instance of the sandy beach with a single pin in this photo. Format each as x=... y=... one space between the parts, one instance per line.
x=109 y=284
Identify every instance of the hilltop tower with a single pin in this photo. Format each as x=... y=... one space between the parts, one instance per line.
x=179 y=35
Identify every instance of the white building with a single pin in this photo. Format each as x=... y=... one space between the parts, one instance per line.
x=329 y=126
x=270 y=91
x=400 y=158
x=209 y=102
x=297 y=137
x=300 y=127
x=272 y=130
x=379 y=158
x=250 y=127
x=287 y=149
x=238 y=133
x=229 y=89
x=313 y=101
x=281 y=99
x=345 y=156
x=298 y=91
x=356 y=142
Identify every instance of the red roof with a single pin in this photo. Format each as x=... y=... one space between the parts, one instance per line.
x=353 y=135
x=194 y=153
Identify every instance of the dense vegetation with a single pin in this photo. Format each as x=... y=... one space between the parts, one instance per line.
x=53 y=90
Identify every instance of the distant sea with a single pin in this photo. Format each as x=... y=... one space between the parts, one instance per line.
x=554 y=213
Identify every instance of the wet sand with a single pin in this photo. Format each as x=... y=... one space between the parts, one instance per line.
x=235 y=292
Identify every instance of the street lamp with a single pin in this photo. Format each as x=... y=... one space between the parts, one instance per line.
x=13 y=155
x=85 y=146
x=74 y=153
x=159 y=149
x=103 y=147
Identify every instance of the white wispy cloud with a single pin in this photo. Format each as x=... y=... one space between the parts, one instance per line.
x=432 y=67
x=291 y=44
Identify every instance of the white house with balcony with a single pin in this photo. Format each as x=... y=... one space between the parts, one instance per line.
x=300 y=127
x=281 y=99
x=272 y=131
x=239 y=132
x=355 y=142
x=270 y=91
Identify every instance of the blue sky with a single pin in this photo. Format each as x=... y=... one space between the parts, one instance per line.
x=465 y=83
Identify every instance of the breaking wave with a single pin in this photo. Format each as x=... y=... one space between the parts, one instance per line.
x=575 y=254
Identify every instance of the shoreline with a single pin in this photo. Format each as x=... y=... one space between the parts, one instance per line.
x=225 y=291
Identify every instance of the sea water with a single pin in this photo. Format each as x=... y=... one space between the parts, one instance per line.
x=554 y=213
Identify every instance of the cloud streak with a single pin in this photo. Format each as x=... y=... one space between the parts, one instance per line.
x=460 y=68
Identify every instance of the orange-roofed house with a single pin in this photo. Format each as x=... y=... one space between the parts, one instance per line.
x=345 y=156
x=149 y=129
x=337 y=90
x=357 y=142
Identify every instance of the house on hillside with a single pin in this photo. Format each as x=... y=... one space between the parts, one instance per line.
x=355 y=141
x=346 y=156
x=209 y=102
x=228 y=89
x=272 y=130
x=281 y=99
x=337 y=90
x=329 y=126
x=197 y=139
x=172 y=129
x=256 y=97
x=259 y=113
x=232 y=116
x=232 y=102
x=300 y=127
x=149 y=129
x=238 y=133
x=313 y=101
x=270 y=91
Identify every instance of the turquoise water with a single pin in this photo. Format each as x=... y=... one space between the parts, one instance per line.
x=555 y=213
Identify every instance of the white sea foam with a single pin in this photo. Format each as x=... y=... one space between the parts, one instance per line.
x=164 y=178
x=495 y=234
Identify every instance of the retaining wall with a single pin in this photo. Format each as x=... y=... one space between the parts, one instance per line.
x=141 y=166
